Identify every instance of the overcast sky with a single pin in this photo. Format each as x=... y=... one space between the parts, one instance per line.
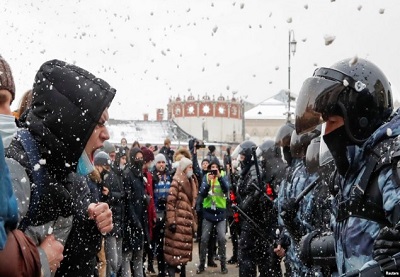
x=152 y=50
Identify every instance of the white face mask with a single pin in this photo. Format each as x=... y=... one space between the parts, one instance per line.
x=8 y=129
x=189 y=173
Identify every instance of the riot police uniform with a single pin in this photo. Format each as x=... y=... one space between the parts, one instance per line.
x=292 y=212
x=258 y=219
x=354 y=97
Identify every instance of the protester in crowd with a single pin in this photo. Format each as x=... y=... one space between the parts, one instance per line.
x=161 y=183
x=124 y=145
x=214 y=190
x=100 y=193
x=136 y=220
x=211 y=153
x=148 y=158
x=120 y=161
x=24 y=103
x=135 y=144
x=13 y=262
x=56 y=163
x=151 y=147
x=113 y=240
x=199 y=210
x=181 y=222
x=110 y=149
x=168 y=152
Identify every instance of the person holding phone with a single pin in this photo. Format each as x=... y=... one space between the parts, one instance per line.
x=214 y=190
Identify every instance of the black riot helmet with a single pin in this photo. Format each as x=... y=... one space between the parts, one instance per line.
x=284 y=134
x=268 y=150
x=246 y=149
x=355 y=89
x=314 y=163
x=282 y=139
x=299 y=143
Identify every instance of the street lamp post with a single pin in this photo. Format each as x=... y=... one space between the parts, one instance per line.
x=292 y=50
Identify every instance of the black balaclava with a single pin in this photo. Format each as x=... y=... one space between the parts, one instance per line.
x=337 y=142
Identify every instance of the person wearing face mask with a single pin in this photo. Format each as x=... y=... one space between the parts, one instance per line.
x=162 y=182
x=111 y=182
x=12 y=261
x=52 y=166
x=354 y=98
x=148 y=159
x=181 y=221
x=136 y=220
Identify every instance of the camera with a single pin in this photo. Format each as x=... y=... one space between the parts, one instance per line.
x=214 y=172
x=196 y=143
x=199 y=144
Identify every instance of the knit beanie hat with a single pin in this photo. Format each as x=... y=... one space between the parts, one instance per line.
x=147 y=154
x=184 y=162
x=6 y=78
x=160 y=157
x=102 y=158
x=108 y=147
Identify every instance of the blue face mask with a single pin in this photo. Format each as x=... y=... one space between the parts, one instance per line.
x=85 y=166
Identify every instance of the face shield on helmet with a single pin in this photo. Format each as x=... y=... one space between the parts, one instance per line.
x=356 y=90
x=313 y=159
x=300 y=143
x=283 y=135
x=245 y=151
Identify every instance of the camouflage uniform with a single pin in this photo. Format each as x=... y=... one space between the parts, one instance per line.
x=296 y=181
x=354 y=236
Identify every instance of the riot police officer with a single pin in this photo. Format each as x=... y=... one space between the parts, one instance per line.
x=292 y=210
x=258 y=218
x=354 y=98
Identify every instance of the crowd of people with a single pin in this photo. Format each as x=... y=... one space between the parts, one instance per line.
x=321 y=199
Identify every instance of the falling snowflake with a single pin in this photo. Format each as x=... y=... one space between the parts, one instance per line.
x=306 y=6
x=389 y=132
x=289 y=20
x=381 y=11
x=23 y=180
x=242 y=5
x=353 y=61
x=36 y=167
x=42 y=161
x=215 y=29
x=329 y=39
x=359 y=7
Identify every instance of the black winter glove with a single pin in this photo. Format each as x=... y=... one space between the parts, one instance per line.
x=289 y=210
x=172 y=228
x=386 y=244
x=192 y=145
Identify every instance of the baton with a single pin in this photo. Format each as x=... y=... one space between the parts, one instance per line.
x=254 y=225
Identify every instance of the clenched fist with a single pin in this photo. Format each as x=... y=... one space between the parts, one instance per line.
x=54 y=252
x=102 y=214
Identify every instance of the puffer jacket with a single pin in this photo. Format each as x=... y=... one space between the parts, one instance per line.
x=181 y=204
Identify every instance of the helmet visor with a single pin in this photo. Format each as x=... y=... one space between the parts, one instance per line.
x=317 y=98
